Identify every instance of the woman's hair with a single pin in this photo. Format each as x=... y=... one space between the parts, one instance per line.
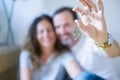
x=33 y=47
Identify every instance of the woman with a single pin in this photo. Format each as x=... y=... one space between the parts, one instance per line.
x=41 y=56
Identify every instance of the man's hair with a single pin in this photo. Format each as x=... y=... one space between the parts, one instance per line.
x=60 y=10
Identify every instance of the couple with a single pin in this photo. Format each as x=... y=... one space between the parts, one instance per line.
x=44 y=56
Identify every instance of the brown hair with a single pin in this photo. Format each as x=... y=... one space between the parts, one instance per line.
x=69 y=9
x=32 y=45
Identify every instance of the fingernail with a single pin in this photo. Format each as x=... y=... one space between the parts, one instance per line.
x=74 y=8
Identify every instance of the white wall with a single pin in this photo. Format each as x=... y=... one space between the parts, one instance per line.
x=24 y=13
x=3 y=23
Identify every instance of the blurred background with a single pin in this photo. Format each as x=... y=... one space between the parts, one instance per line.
x=16 y=17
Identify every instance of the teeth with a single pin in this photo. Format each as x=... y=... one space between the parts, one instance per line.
x=64 y=37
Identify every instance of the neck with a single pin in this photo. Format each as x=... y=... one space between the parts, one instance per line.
x=74 y=43
x=46 y=52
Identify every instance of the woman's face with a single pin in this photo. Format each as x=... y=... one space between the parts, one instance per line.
x=45 y=34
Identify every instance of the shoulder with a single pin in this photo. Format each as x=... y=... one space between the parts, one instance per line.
x=24 y=54
x=24 y=59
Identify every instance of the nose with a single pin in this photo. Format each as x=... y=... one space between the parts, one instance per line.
x=45 y=34
x=62 y=30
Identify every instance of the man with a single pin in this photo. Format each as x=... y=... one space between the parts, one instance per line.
x=95 y=46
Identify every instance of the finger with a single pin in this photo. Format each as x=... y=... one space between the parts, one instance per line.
x=79 y=10
x=100 y=5
x=81 y=25
x=85 y=6
x=82 y=14
x=91 y=5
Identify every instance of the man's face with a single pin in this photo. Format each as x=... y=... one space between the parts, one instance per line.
x=64 y=23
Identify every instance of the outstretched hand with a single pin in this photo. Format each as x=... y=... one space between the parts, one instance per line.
x=92 y=20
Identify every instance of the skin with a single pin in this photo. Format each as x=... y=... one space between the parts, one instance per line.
x=64 y=23
x=45 y=34
x=46 y=38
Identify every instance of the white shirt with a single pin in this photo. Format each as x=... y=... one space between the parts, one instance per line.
x=48 y=71
x=93 y=59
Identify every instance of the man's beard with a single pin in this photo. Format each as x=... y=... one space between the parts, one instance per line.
x=67 y=42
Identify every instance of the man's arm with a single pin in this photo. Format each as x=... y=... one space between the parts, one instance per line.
x=94 y=24
x=113 y=50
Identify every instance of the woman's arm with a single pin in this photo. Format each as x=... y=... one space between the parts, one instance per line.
x=25 y=74
x=73 y=69
x=25 y=66
x=77 y=73
x=70 y=64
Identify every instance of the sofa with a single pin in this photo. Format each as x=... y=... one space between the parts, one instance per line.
x=9 y=60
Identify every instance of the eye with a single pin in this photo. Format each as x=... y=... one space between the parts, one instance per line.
x=57 y=27
x=49 y=30
x=67 y=25
x=40 y=32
